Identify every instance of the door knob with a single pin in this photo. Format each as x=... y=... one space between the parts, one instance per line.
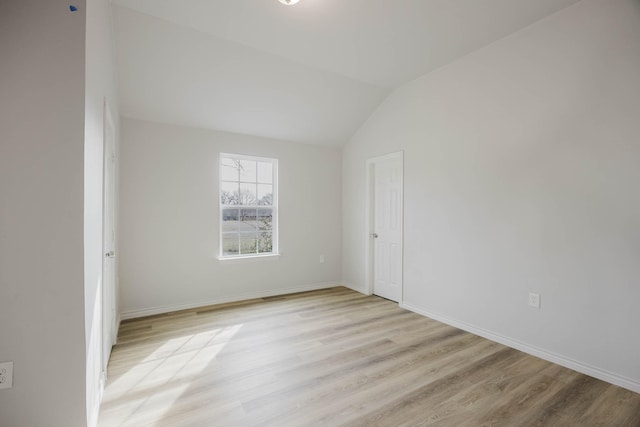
x=374 y=235
x=110 y=254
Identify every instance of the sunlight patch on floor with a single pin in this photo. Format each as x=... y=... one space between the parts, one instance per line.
x=148 y=390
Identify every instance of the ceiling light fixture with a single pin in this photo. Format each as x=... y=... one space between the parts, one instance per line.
x=289 y=2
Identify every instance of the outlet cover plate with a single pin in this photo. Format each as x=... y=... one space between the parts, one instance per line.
x=534 y=300
x=6 y=375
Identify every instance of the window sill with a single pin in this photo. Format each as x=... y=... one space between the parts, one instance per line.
x=250 y=258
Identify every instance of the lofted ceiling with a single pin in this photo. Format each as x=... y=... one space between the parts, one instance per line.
x=310 y=73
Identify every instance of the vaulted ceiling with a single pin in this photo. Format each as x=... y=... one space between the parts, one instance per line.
x=311 y=73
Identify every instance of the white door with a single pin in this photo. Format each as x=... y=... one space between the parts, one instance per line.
x=109 y=242
x=386 y=230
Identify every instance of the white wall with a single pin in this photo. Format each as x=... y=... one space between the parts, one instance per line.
x=100 y=84
x=41 y=212
x=169 y=219
x=521 y=175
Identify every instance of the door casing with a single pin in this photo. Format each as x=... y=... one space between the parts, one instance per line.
x=109 y=292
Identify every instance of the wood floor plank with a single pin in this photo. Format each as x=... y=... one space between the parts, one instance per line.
x=356 y=395
x=616 y=406
x=334 y=357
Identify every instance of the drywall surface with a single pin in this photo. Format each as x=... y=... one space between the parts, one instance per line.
x=42 y=51
x=521 y=175
x=169 y=216
x=100 y=85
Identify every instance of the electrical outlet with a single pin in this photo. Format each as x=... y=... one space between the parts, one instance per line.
x=321 y=259
x=6 y=375
x=534 y=300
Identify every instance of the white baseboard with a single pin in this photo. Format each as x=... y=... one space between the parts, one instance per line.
x=583 y=368
x=357 y=288
x=142 y=312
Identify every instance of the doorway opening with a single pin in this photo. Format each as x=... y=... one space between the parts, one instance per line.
x=385 y=225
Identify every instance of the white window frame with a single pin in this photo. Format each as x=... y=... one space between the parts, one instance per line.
x=273 y=207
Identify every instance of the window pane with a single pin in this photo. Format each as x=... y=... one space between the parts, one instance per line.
x=265 y=172
x=230 y=220
x=230 y=244
x=265 y=219
x=247 y=215
x=248 y=243
x=230 y=169
x=247 y=220
x=265 y=194
x=247 y=194
x=229 y=193
x=265 y=243
x=247 y=170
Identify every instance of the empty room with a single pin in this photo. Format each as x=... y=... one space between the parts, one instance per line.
x=319 y=212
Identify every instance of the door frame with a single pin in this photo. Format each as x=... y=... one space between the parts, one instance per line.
x=370 y=220
x=108 y=321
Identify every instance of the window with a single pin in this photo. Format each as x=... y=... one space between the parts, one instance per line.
x=248 y=206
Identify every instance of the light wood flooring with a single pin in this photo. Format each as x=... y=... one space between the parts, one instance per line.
x=335 y=357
